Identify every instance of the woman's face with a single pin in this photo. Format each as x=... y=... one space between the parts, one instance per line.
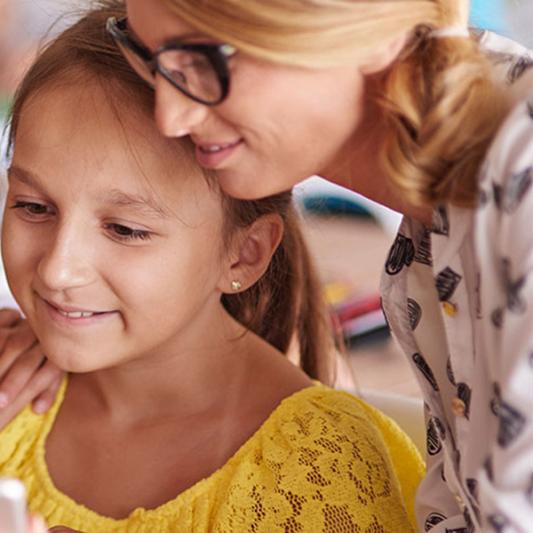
x=111 y=239
x=278 y=125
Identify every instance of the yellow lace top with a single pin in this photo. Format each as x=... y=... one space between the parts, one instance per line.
x=323 y=461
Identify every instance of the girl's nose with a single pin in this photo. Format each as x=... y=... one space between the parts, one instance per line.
x=66 y=264
x=176 y=115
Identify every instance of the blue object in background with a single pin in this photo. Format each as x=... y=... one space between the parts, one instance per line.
x=489 y=15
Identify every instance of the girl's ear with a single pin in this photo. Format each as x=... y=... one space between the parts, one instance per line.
x=381 y=58
x=251 y=252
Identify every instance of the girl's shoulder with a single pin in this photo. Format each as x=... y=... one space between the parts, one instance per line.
x=330 y=422
x=337 y=458
x=317 y=411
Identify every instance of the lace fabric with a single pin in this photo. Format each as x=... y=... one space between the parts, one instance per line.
x=323 y=461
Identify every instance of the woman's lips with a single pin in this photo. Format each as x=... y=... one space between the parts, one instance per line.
x=213 y=155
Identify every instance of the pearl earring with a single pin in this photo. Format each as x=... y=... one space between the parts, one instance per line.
x=236 y=285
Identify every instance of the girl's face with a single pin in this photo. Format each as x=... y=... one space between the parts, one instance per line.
x=111 y=240
x=278 y=125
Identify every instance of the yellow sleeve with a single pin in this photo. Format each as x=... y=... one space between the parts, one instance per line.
x=322 y=466
x=406 y=460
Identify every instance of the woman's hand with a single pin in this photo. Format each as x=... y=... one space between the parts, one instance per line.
x=25 y=373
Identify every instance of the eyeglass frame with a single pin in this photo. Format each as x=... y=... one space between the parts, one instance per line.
x=216 y=54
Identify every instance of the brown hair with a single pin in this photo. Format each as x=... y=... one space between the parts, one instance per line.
x=287 y=301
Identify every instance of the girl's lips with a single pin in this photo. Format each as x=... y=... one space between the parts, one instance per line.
x=75 y=317
x=213 y=155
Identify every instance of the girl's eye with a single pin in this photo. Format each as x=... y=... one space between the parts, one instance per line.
x=33 y=209
x=124 y=233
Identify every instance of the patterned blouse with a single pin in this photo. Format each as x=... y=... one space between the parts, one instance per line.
x=459 y=299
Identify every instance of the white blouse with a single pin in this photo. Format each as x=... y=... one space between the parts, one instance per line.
x=459 y=300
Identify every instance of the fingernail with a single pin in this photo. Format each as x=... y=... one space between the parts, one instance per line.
x=40 y=406
x=4 y=400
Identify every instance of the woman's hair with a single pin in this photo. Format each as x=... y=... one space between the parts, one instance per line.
x=286 y=304
x=438 y=99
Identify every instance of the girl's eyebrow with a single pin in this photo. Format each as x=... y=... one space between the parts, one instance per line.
x=26 y=177
x=145 y=205
x=115 y=197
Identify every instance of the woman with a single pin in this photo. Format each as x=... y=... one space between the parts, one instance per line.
x=392 y=100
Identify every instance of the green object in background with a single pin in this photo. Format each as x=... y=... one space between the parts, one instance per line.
x=4 y=106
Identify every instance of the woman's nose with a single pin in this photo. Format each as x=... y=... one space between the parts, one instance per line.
x=66 y=263
x=176 y=115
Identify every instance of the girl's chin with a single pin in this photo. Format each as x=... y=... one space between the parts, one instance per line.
x=77 y=363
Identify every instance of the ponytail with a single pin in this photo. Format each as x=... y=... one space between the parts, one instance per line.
x=443 y=109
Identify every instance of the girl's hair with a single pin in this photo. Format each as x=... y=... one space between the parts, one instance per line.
x=286 y=304
x=439 y=101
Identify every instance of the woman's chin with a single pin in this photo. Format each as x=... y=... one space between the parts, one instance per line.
x=251 y=186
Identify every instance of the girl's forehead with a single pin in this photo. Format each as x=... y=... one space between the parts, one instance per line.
x=77 y=131
x=100 y=121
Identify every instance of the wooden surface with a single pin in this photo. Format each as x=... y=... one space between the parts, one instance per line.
x=353 y=250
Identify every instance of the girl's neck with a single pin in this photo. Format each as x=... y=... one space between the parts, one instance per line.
x=176 y=384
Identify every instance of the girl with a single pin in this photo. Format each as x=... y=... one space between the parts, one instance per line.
x=170 y=305
x=395 y=101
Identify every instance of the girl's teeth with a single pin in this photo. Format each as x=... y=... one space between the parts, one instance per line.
x=76 y=314
x=213 y=148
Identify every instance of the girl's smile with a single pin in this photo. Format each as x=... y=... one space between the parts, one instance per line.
x=73 y=315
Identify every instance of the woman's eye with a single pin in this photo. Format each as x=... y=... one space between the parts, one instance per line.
x=178 y=76
x=32 y=209
x=124 y=233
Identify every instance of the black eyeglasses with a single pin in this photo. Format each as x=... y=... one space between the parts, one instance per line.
x=200 y=71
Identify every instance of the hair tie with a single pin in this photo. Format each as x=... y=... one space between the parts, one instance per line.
x=450 y=31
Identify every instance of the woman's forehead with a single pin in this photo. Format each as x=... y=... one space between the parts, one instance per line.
x=155 y=24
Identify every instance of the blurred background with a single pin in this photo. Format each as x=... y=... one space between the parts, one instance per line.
x=348 y=236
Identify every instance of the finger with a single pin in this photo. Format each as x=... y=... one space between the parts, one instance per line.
x=44 y=377
x=8 y=333
x=20 y=374
x=16 y=406
x=45 y=399
x=9 y=317
x=14 y=341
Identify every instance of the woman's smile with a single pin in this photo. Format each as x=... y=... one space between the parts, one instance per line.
x=213 y=155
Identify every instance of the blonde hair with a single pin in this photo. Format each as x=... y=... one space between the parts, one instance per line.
x=439 y=100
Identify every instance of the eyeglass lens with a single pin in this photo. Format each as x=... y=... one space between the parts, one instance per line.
x=190 y=71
